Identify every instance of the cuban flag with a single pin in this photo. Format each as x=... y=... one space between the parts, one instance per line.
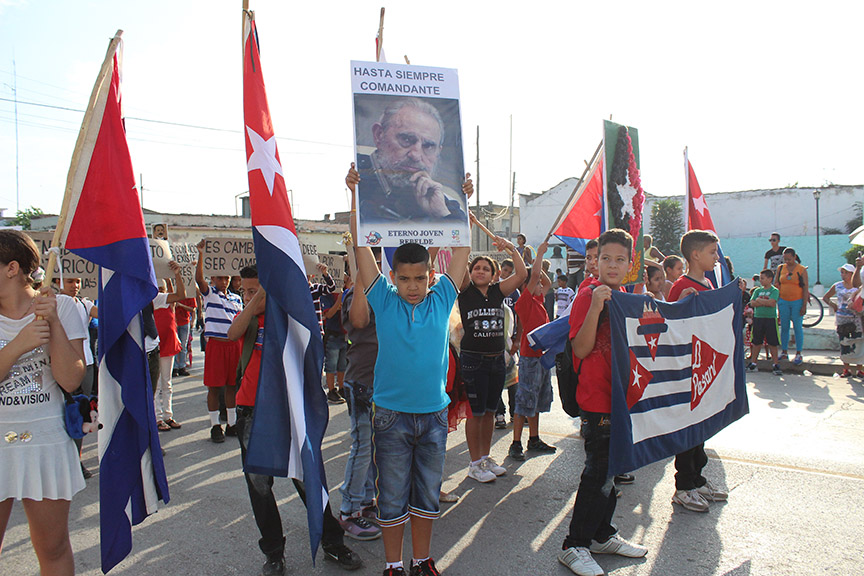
x=551 y=338
x=291 y=409
x=697 y=217
x=101 y=188
x=677 y=373
x=584 y=218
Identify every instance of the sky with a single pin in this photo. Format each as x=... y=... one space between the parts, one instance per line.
x=765 y=94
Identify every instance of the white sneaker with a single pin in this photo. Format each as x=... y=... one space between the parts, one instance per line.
x=691 y=500
x=580 y=561
x=712 y=494
x=619 y=546
x=489 y=464
x=478 y=472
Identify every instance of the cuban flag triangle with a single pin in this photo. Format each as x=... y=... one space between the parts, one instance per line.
x=101 y=188
x=677 y=373
x=290 y=408
x=697 y=217
x=584 y=219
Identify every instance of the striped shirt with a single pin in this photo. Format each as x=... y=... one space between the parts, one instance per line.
x=319 y=290
x=219 y=312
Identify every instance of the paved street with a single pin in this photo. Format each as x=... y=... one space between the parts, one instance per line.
x=794 y=468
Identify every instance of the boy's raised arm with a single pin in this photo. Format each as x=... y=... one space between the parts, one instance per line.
x=367 y=268
x=199 y=270
x=537 y=269
x=459 y=262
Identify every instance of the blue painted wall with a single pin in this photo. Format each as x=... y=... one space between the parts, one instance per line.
x=748 y=255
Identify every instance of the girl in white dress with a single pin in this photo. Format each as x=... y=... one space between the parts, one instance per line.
x=41 y=350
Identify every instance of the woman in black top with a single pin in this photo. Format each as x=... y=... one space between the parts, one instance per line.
x=482 y=353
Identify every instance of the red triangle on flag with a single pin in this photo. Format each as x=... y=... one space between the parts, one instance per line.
x=584 y=220
x=706 y=364
x=638 y=382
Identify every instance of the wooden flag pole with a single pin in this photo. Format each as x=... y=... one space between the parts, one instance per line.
x=83 y=136
x=380 y=46
x=580 y=186
x=481 y=226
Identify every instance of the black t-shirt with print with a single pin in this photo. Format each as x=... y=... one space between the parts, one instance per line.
x=482 y=319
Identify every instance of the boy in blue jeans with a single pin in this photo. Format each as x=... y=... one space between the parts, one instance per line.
x=591 y=529
x=409 y=422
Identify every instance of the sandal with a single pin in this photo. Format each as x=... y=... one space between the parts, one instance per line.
x=173 y=423
x=162 y=426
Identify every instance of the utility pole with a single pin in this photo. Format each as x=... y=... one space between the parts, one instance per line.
x=141 y=187
x=15 y=96
x=512 y=180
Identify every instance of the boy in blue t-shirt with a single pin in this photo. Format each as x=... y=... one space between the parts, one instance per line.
x=409 y=420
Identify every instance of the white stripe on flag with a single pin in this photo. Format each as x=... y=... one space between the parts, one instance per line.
x=670 y=419
x=284 y=240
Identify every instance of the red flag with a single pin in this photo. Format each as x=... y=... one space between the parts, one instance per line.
x=696 y=210
x=584 y=220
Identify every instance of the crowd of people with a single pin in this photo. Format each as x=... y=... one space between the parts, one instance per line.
x=465 y=329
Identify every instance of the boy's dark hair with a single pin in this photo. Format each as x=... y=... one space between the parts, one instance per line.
x=767 y=273
x=591 y=244
x=249 y=272
x=507 y=262
x=562 y=277
x=410 y=253
x=19 y=247
x=789 y=250
x=729 y=265
x=616 y=236
x=521 y=236
x=653 y=271
x=775 y=234
x=492 y=264
x=696 y=240
x=670 y=261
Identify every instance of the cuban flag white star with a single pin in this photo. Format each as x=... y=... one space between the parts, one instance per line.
x=263 y=158
x=699 y=204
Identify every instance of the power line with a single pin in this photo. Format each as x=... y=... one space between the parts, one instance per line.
x=178 y=124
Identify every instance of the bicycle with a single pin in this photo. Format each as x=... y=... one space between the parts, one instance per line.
x=815 y=312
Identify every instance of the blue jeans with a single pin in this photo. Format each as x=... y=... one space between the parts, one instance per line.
x=358 y=490
x=182 y=356
x=595 y=500
x=409 y=460
x=791 y=310
x=534 y=390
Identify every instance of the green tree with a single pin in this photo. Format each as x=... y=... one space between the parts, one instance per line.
x=667 y=225
x=23 y=217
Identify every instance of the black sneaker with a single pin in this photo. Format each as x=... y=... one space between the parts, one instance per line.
x=183 y=372
x=275 y=566
x=333 y=397
x=394 y=572
x=174 y=373
x=776 y=370
x=425 y=568
x=342 y=555
x=85 y=472
x=216 y=434
x=624 y=479
x=539 y=446
x=515 y=452
x=230 y=431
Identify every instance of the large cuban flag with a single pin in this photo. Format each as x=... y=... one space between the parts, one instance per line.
x=584 y=218
x=290 y=409
x=101 y=189
x=677 y=373
x=698 y=217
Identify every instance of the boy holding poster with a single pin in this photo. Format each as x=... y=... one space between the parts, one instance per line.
x=591 y=528
x=409 y=419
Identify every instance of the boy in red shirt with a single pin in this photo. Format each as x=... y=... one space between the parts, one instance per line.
x=534 y=389
x=591 y=528
x=692 y=490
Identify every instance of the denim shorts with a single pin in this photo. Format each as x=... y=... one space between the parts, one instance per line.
x=483 y=376
x=335 y=354
x=534 y=391
x=408 y=450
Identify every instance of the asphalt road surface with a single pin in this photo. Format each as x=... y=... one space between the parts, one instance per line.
x=794 y=468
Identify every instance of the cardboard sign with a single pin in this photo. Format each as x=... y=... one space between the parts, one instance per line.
x=335 y=268
x=227 y=256
x=73 y=266
x=310 y=255
x=160 y=253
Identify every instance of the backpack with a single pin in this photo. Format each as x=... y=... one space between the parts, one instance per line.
x=568 y=380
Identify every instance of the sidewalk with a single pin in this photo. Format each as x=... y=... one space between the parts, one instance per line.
x=821 y=362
